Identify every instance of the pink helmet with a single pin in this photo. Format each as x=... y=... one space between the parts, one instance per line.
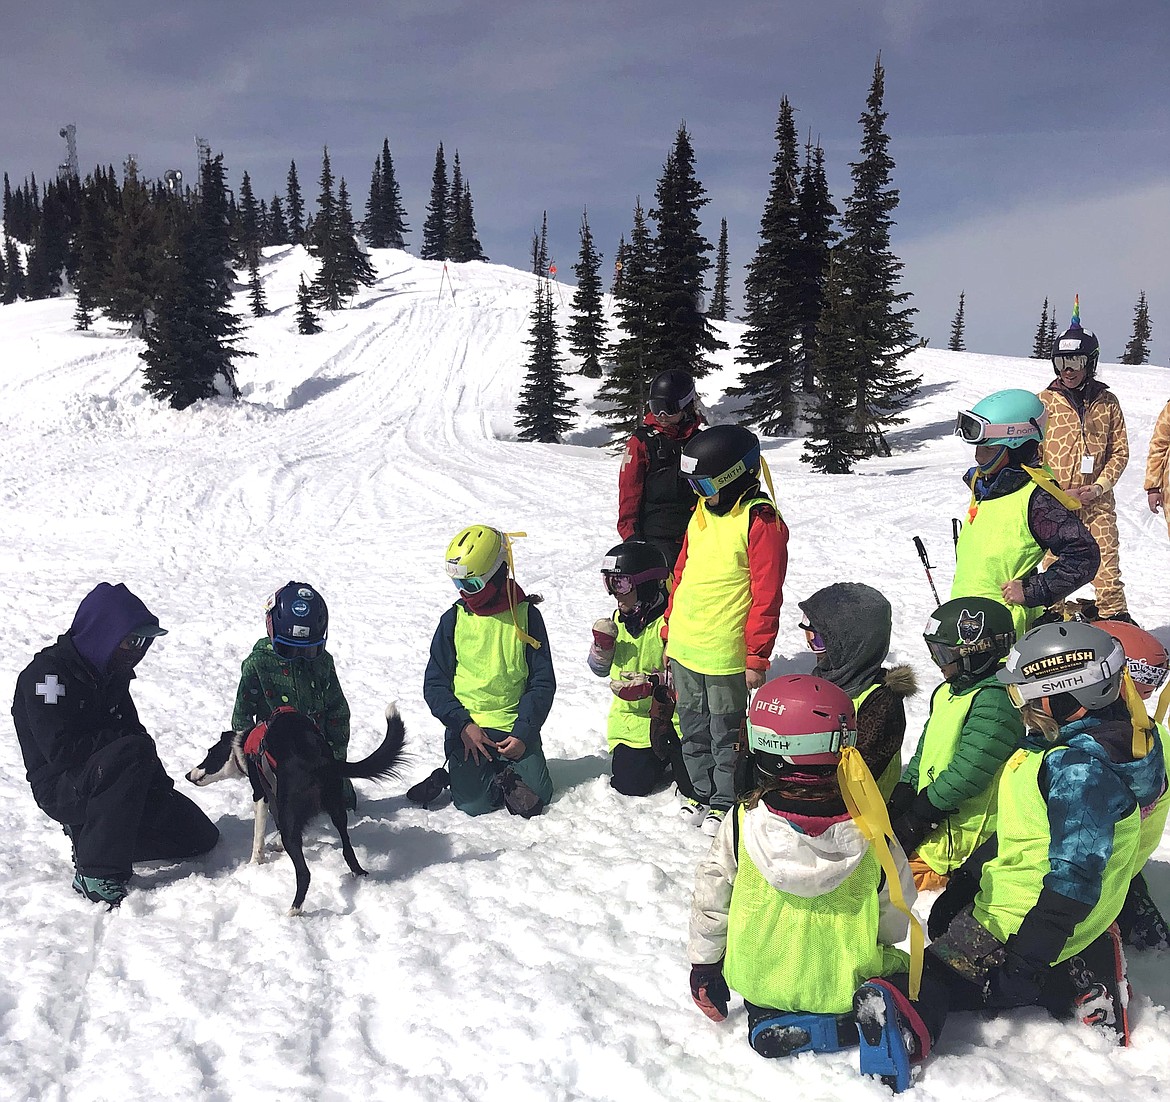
x=799 y=720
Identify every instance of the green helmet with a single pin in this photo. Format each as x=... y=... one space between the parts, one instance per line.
x=1011 y=417
x=975 y=632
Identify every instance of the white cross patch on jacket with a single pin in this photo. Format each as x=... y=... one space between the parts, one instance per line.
x=50 y=689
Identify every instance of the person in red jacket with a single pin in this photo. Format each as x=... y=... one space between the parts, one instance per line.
x=654 y=501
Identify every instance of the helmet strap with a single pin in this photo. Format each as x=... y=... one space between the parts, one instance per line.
x=867 y=809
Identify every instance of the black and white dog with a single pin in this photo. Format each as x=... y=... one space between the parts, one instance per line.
x=292 y=768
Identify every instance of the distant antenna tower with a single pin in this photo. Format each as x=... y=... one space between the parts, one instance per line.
x=203 y=151
x=130 y=167
x=69 y=168
x=173 y=179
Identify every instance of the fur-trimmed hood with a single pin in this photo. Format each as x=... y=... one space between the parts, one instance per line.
x=902 y=681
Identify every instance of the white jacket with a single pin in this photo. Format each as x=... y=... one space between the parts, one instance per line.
x=792 y=862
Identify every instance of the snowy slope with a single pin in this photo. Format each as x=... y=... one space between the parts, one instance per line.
x=483 y=959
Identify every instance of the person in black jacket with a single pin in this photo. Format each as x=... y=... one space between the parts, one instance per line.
x=654 y=502
x=91 y=764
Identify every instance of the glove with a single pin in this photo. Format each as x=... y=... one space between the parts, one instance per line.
x=635 y=686
x=662 y=733
x=1013 y=983
x=919 y=819
x=709 y=990
x=605 y=635
x=900 y=799
x=959 y=894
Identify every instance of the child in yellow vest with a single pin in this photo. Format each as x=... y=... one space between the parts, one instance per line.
x=792 y=906
x=943 y=808
x=642 y=735
x=724 y=610
x=490 y=682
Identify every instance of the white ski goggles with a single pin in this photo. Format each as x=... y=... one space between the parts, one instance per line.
x=974 y=429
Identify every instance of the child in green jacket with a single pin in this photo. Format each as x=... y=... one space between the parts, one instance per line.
x=290 y=665
x=944 y=806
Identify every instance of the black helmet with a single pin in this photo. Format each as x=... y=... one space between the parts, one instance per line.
x=297 y=621
x=671 y=391
x=636 y=565
x=718 y=457
x=975 y=632
x=1076 y=342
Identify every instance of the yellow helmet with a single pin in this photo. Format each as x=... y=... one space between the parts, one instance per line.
x=474 y=555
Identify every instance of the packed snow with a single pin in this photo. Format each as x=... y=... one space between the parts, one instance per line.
x=484 y=959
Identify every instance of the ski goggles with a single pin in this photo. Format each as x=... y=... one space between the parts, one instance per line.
x=136 y=642
x=627 y=583
x=469 y=585
x=973 y=429
x=1144 y=673
x=816 y=642
x=1070 y=364
x=659 y=406
x=709 y=487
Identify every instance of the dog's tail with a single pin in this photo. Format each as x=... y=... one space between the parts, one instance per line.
x=383 y=762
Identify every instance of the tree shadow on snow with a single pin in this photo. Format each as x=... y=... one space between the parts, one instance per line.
x=311 y=389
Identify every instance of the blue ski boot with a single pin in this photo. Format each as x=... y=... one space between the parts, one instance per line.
x=883 y=1047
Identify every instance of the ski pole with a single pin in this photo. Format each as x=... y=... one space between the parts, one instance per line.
x=926 y=565
x=956 y=528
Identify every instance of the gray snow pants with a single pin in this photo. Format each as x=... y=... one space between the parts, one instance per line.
x=711 y=709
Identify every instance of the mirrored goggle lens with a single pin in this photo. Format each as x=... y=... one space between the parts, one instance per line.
x=1071 y=364
x=970 y=427
x=704 y=487
x=468 y=585
x=815 y=642
x=942 y=654
x=620 y=583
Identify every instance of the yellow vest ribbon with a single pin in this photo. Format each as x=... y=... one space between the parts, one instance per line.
x=508 y=538
x=1048 y=484
x=868 y=810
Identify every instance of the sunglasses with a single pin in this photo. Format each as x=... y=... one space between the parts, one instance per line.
x=815 y=642
x=627 y=583
x=1069 y=365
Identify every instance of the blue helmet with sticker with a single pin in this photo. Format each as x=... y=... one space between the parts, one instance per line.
x=297 y=620
x=1008 y=417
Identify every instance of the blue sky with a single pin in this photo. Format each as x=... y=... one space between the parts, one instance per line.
x=1031 y=138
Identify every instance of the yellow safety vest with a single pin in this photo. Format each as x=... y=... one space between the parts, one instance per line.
x=491 y=668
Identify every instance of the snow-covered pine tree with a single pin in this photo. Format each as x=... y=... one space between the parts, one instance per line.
x=296 y=206
x=587 y=331
x=248 y=237
x=343 y=264
x=278 y=232
x=1137 y=351
x=771 y=296
x=883 y=335
x=832 y=444
x=323 y=228
x=628 y=382
x=717 y=311
x=190 y=340
x=14 y=280
x=434 y=244
x=545 y=412
x=307 y=320
x=817 y=237
x=958 y=324
x=1040 y=340
x=682 y=334
x=393 y=212
x=256 y=299
x=374 y=225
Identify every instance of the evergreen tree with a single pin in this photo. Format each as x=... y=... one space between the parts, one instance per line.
x=83 y=311
x=190 y=340
x=307 y=321
x=832 y=443
x=771 y=295
x=682 y=333
x=956 y=343
x=14 y=280
x=1040 y=340
x=374 y=227
x=278 y=231
x=343 y=264
x=536 y=252
x=393 y=213
x=717 y=311
x=247 y=227
x=256 y=299
x=545 y=411
x=456 y=245
x=619 y=262
x=628 y=382
x=8 y=215
x=586 y=331
x=470 y=248
x=296 y=206
x=131 y=277
x=1138 y=349
x=38 y=279
x=817 y=237
x=883 y=334
x=3 y=273
x=540 y=248
x=434 y=246
x=1050 y=341
x=325 y=218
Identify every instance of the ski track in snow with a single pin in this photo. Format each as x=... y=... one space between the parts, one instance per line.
x=485 y=958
